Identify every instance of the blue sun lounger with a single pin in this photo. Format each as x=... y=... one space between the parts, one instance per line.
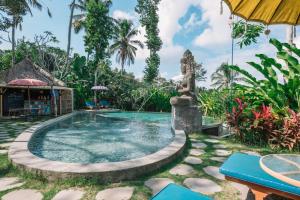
x=176 y=192
x=245 y=169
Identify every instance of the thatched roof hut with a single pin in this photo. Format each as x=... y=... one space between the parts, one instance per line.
x=26 y=69
x=13 y=97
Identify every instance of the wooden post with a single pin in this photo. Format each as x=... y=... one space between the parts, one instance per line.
x=258 y=194
x=72 y=96
x=1 y=102
x=60 y=102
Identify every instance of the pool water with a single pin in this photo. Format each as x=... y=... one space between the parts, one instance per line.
x=88 y=137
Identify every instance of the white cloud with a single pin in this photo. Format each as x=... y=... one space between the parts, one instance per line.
x=177 y=78
x=218 y=31
x=170 y=11
x=119 y=14
x=297 y=41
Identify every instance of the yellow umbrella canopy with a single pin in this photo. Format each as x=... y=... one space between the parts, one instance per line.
x=267 y=11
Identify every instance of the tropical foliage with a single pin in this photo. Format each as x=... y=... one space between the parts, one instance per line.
x=268 y=111
x=147 y=9
x=246 y=33
x=124 y=42
x=214 y=102
x=280 y=94
x=223 y=77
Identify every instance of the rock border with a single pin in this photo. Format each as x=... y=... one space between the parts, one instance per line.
x=20 y=156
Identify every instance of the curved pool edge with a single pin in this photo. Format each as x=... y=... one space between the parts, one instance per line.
x=20 y=156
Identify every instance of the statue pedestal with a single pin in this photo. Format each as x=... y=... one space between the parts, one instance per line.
x=186 y=115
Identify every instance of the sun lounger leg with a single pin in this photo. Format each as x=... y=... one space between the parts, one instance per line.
x=258 y=194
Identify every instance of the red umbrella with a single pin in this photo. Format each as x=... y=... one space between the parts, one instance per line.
x=27 y=82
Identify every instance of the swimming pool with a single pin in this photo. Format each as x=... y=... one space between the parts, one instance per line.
x=90 y=137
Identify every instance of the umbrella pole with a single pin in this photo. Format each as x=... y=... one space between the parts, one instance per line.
x=29 y=106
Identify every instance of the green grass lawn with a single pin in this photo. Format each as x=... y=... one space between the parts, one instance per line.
x=92 y=187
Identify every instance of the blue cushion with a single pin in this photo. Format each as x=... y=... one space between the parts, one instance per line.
x=176 y=192
x=247 y=168
x=89 y=103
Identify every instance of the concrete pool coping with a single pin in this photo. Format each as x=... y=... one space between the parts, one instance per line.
x=20 y=156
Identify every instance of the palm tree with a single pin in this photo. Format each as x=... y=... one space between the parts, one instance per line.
x=80 y=5
x=124 y=43
x=223 y=77
x=17 y=9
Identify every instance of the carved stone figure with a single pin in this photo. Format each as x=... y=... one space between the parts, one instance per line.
x=188 y=85
x=185 y=113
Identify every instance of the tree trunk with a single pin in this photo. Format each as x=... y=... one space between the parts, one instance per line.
x=95 y=84
x=70 y=34
x=122 y=68
x=13 y=41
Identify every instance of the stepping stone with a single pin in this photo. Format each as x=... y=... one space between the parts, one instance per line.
x=204 y=186
x=218 y=159
x=2 y=152
x=193 y=160
x=199 y=145
x=5 y=145
x=222 y=152
x=118 y=193
x=157 y=184
x=197 y=152
x=219 y=146
x=9 y=183
x=252 y=153
x=194 y=140
x=214 y=171
x=243 y=190
x=23 y=194
x=70 y=194
x=213 y=141
x=182 y=170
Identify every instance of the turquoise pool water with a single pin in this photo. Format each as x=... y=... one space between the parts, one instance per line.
x=89 y=137
x=107 y=137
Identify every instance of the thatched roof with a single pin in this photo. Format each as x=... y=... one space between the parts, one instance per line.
x=27 y=69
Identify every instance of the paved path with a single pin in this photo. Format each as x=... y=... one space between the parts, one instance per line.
x=9 y=183
x=70 y=194
x=119 y=193
x=23 y=195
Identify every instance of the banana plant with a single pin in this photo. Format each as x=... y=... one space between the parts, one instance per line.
x=270 y=90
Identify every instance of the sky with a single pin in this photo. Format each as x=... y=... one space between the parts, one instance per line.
x=184 y=24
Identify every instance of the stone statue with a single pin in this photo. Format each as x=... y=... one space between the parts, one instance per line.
x=188 y=86
x=185 y=112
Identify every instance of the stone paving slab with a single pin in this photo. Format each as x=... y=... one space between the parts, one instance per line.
x=213 y=141
x=9 y=183
x=4 y=151
x=194 y=140
x=214 y=171
x=70 y=194
x=118 y=193
x=23 y=195
x=222 y=152
x=204 y=186
x=193 y=160
x=218 y=159
x=182 y=170
x=243 y=190
x=220 y=146
x=196 y=152
x=199 y=145
x=157 y=184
